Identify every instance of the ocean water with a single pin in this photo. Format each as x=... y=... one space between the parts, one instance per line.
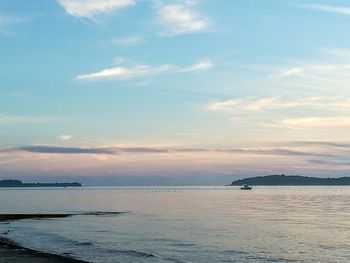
x=186 y=224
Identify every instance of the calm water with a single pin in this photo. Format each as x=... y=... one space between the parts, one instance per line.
x=187 y=224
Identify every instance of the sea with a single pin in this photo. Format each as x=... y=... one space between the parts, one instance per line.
x=185 y=224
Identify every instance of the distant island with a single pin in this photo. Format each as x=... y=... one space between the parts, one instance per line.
x=282 y=179
x=18 y=183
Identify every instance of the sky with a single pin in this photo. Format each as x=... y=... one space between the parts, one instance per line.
x=173 y=91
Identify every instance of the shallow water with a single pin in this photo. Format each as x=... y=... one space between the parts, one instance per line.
x=186 y=224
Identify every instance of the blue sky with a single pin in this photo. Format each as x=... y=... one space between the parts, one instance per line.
x=185 y=89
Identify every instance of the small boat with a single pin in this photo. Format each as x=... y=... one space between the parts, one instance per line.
x=246 y=187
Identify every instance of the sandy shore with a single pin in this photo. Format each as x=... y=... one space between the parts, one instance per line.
x=11 y=252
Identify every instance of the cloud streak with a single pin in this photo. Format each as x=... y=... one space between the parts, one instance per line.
x=62 y=150
x=324 y=143
x=277 y=103
x=128 y=41
x=7 y=21
x=64 y=137
x=91 y=8
x=294 y=156
x=122 y=72
x=313 y=69
x=344 y=10
x=322 y=113
x=126 y=72
x=337 y=122
x=178 y=19
x=200 y=66
x=161 y=150
x=10 y=119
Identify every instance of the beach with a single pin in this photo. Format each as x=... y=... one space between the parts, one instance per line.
x=11 y=252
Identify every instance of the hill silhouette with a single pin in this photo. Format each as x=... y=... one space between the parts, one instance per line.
x=18 y=183
x=282 y=179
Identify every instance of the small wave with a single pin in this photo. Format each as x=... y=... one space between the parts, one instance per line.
x=258 y=258
x=174 y=260
x=100 y=213
x=85 y=243
x=236 y=252
x=270 y=259
x=174 y=242
x=133 y=253
x=184 y=244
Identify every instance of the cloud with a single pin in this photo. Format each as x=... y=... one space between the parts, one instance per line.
x=64 y=150
x=335 y=163
x=331 y=76
x=288 y=72
x=314 y=70
x=162 y=150
x=271 y=151
x=128 y=41
x=180 y=19
x=343 y=53
x=126 y=72
x=91 y=8
x=336 y=122
x=324 y=143
x=64 y=137
x=141 y=150
x=201 y=65
x=331 y=112
x=7 y=21
x=277 y=103
x=250 y=104
x=329 y=8
x=143 y=70
x=10 y=119
x=153 y=158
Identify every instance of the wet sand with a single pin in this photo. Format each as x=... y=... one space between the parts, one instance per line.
x=11 y=252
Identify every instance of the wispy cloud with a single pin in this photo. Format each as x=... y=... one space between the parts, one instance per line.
x=12 y=119
x=63 y=150
x=342 y=53
x=126 y=72
x=312 y=70
x=335 y=144
x=7 y=21
x=179 y=19
x=243 y=104
x=320 y=113
x=128 y=41
x=144 y=70
x=344 y=10
x=296 y=157
x=91 y=8
x=317 y=122
x=162 y=150
x=288 y=72
x=276 y=103
x=328 y=75
x=64 y=137
x=326 y=163
x=201 y=65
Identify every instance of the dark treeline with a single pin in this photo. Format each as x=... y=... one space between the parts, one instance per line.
x=291 y=180
x=18 y=183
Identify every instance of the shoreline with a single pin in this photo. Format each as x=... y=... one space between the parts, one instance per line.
x=10 y=251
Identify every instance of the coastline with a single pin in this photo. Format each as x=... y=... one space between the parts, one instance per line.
x=13 y=252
